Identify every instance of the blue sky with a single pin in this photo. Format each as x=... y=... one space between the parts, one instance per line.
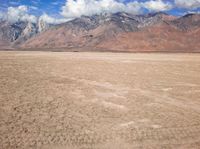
x=57 y=9
x=36 y=7
x=53 y=7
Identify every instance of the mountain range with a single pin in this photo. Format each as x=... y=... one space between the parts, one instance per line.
x=107 y=32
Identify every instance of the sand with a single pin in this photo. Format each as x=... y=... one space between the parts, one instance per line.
x=99 y=100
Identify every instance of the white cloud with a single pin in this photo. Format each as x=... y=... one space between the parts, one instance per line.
x=157 y=5
x=20 y=13
x=77 y=8
x=189 y=12
x=50 y=20
x=193 y=12
x=188 y=4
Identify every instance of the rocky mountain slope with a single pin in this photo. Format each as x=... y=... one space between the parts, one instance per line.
x=118 y=32
x=161 y=37
x=187 y=22
x=91 y=31
x=14 y=34
x=181 y=34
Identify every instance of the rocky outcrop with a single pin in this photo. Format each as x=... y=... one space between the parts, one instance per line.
x=14 y=34
x=29 y=31
x=42 y=25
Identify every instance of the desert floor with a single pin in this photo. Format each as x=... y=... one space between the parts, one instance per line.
x=99 y=100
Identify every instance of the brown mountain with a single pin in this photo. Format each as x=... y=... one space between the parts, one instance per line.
x=4 y=44
x=187 y=22
x=160 y=37
x=123 y=32
x=91 y=31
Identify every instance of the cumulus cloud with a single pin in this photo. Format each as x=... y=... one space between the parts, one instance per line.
x=77 y=8
x=157 y=5
x=188 y=4
x=50 y=20
x=20 y=13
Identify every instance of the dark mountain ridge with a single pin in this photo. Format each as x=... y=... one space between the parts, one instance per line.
x=187 y=22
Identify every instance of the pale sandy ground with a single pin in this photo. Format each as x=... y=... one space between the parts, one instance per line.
x=99 y=101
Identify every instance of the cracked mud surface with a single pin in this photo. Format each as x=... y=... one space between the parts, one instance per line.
x=99 y=100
